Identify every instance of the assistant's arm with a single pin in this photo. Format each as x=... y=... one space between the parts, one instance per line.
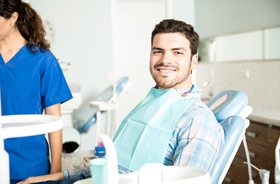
x=55 y=140
x=54 y=176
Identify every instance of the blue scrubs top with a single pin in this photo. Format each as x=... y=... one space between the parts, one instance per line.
x=30 y=82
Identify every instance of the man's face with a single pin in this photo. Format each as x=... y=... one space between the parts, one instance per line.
x=171 y=62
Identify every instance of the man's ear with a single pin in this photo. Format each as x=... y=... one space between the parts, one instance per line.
x=194 y=61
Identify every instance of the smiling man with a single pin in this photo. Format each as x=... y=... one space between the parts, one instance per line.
x=171 y=125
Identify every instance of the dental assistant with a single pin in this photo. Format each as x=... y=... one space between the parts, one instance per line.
x=32 y=82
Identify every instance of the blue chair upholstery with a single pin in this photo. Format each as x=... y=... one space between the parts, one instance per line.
x=226 y=107
x=234 y=129
x=228 y=103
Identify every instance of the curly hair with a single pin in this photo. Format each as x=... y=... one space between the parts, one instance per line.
x=29 y=23
x=177 y=26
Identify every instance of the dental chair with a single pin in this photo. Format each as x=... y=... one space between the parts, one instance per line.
x=231 y=109
x=85 y=117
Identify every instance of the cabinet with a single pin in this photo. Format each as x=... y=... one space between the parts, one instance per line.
x=261 y=139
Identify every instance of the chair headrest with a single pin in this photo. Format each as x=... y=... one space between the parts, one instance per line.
x=228 y=103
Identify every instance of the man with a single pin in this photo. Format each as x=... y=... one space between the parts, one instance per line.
x=197 y=137
x=171 y=125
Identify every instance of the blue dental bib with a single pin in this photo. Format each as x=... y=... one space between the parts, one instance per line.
x=144 y=134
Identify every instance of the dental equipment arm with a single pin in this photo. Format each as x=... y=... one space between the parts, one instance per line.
x=21 y=126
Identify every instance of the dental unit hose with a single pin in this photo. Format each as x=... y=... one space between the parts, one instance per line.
x=264 y=174
x=248 y=160
x=277 y=164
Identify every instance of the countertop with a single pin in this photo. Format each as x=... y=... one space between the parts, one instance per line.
x=267 y=115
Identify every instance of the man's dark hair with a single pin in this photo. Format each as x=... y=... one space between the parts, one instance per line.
x=177 y=26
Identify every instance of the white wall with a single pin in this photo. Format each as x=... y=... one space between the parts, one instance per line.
x=83 y=38
x=220 y=17
x=184 y=10
x=248 y=68
x=260 y=80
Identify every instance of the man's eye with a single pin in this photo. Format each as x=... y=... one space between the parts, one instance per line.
x=179 y=52
x=157 y=52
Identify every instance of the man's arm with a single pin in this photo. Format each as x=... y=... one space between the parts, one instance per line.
x=197 y=140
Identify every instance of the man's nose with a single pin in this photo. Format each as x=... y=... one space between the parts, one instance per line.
x=167 y=57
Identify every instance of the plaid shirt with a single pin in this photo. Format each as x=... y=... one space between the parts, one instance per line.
x=196 y=140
